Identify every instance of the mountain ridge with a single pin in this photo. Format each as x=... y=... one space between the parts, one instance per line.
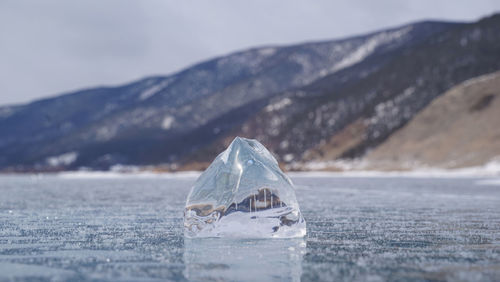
x=171 y=119
x=259 y=128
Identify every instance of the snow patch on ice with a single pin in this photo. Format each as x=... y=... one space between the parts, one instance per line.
x=64 y=159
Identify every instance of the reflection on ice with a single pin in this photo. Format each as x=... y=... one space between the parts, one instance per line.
x=243 y=194
x=218 y=259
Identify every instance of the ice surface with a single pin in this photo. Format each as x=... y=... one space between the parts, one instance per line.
x=130 y=228
x=243 y=193
x=276 y=260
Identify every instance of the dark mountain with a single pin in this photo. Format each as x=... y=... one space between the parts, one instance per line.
x=294 y=98
x=339 y=116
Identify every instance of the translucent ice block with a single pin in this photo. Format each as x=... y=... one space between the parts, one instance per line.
x=243 y=193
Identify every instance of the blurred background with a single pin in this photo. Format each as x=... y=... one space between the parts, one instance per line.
x=324 y=85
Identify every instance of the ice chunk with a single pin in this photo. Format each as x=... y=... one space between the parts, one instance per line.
x=243 y=193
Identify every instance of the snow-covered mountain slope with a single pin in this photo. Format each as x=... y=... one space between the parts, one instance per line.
x=355 y=109
x=161 y=119
x=293 y=98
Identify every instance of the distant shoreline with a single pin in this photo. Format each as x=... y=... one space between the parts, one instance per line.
x=482 y=171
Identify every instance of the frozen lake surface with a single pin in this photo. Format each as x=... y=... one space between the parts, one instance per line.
x=130 y=228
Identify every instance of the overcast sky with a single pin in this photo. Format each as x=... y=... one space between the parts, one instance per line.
x=51 y=47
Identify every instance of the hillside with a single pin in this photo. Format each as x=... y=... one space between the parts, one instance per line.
x=306 y=102
x=458 y=129
x=332 y=118
x=161 y=119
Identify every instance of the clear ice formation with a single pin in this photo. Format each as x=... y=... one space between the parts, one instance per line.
x=243 y=193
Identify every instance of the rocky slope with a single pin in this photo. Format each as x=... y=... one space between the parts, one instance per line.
x=458 y=129
x=337 y=118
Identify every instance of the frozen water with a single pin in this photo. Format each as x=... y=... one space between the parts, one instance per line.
x=222 y=259
x=359 y=229
x=243 y=193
